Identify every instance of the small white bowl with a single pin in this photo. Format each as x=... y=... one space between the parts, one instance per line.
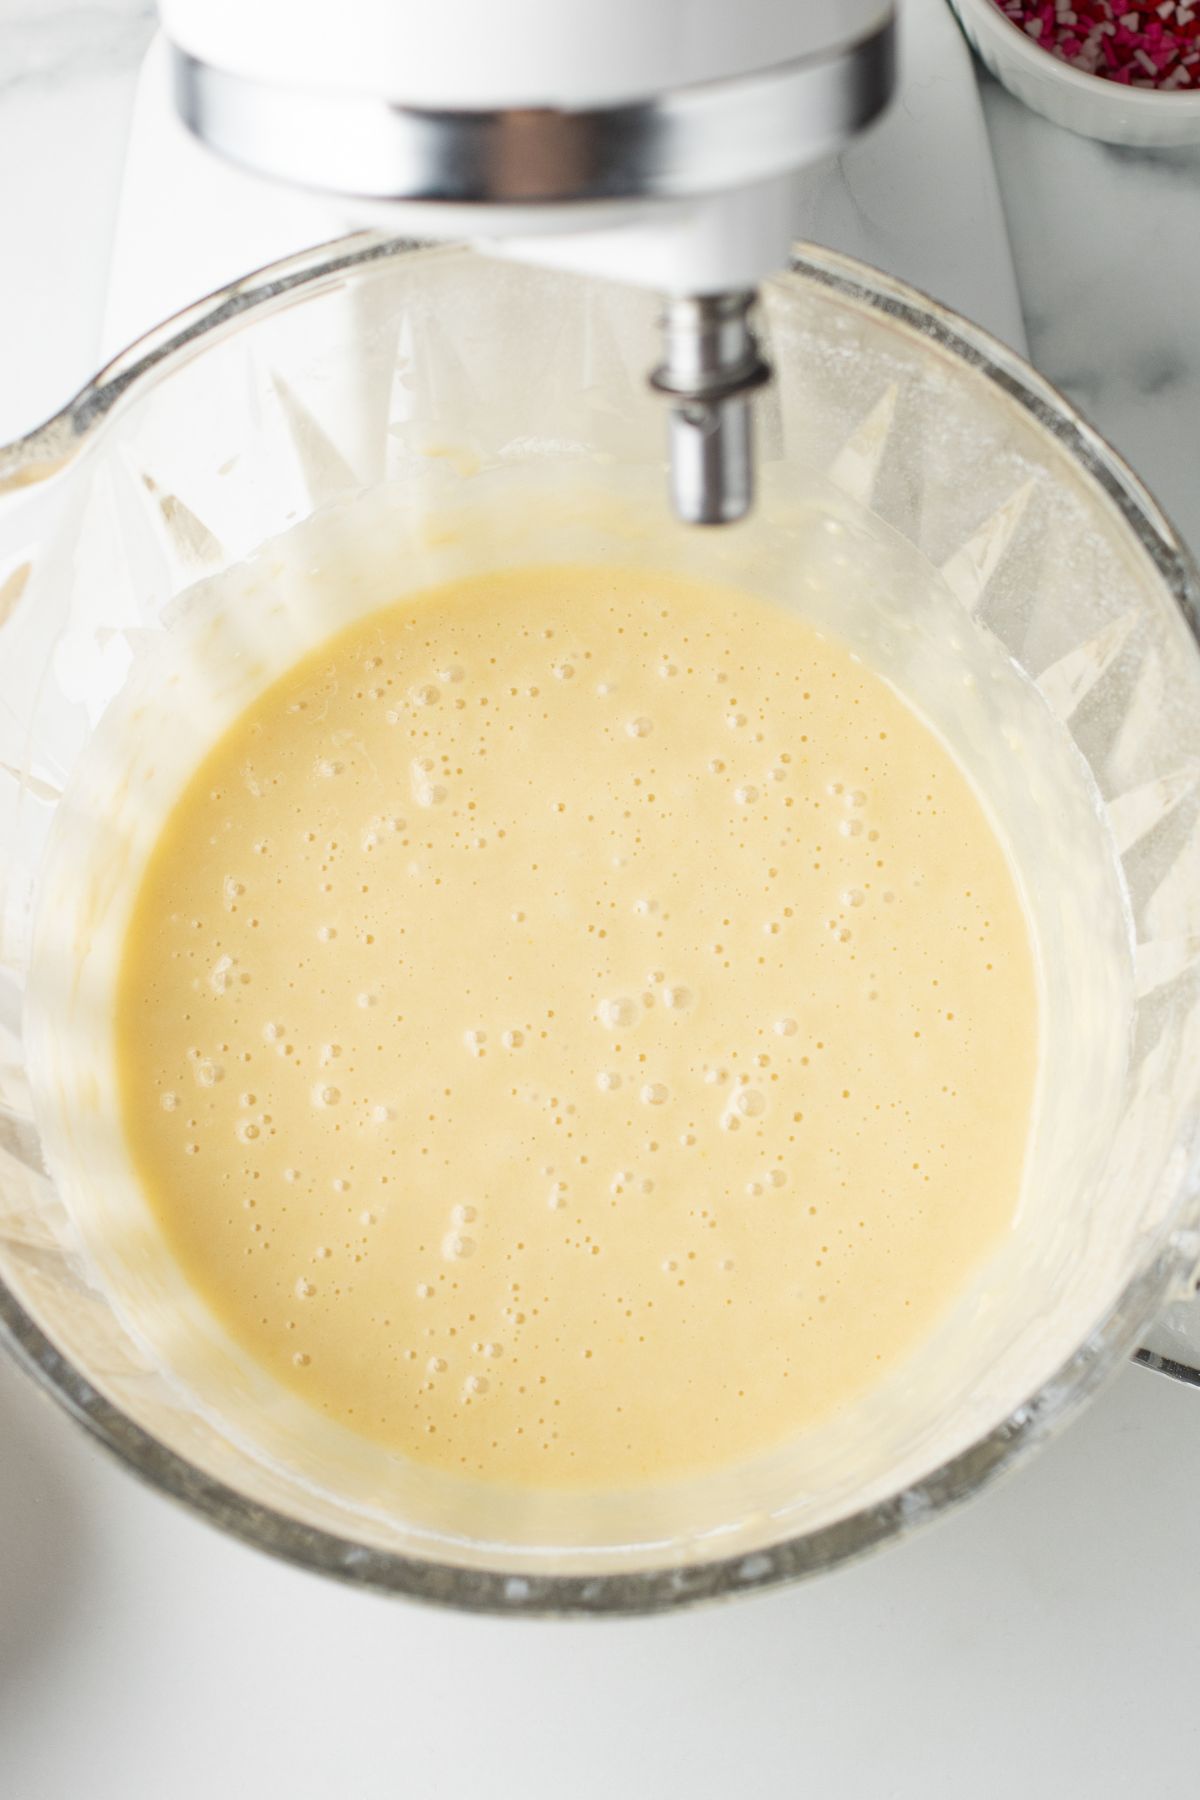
x=1084 y=103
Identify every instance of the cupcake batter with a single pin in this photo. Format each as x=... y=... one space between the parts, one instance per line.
x=579 y=1027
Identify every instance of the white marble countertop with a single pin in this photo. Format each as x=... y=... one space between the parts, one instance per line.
x=1106 y=243
x=1041 y=1642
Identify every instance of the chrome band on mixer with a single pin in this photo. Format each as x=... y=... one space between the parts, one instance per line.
x=692 y=141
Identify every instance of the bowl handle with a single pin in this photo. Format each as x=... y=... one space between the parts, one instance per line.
x=1171 y=1346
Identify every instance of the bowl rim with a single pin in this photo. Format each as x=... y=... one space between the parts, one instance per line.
x=1042 y=62
x=48 y=449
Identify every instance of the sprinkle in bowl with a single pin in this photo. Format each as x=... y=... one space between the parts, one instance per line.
x=1139 y=93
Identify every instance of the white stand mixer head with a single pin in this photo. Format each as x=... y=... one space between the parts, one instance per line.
x=653 y=144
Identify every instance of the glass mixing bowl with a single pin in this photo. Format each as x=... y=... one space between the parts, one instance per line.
x=957 y=522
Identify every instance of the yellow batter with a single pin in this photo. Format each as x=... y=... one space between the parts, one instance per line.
x=579 y=1026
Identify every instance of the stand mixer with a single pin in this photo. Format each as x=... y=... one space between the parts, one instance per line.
x=923 y=496
x=652 y=145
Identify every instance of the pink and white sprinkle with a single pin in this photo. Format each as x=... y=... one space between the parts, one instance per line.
x=1148 y=46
